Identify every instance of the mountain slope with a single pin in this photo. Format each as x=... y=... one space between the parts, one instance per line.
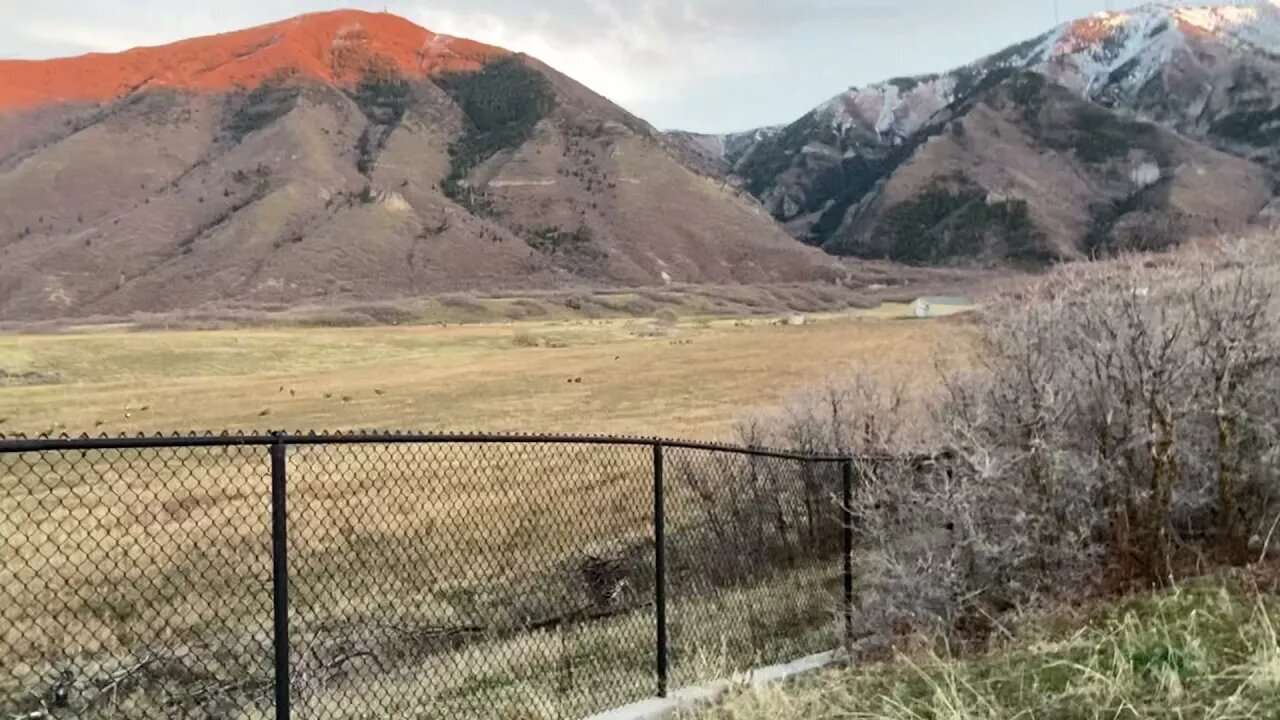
x=1025 y=171
x=1211 y=74
x=344 y=155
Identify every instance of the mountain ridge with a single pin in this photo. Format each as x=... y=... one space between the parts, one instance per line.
x=337 y=47
x=356 y=180
x=1210 y=73
x=1078 y=53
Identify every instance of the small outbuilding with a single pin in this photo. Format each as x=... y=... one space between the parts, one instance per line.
x=939 y=306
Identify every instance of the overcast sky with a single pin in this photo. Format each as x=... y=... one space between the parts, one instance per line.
x=706 y=65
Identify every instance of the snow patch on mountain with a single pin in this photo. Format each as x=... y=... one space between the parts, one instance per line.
x=1254 y=23
x=889 y=110
x=1102 y=56
x=727 y=147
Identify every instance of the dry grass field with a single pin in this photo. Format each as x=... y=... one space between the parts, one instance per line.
x=406 y=562
x=638 y=376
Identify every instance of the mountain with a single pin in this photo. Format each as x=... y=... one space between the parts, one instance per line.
x=718 y=154
x=1177 y=93
x=1025 y=171
x=344 y=155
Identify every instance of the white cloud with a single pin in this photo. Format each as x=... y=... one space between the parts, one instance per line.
x=627 y=53
x=597 y=66
x=95 y=38
x=701 y=64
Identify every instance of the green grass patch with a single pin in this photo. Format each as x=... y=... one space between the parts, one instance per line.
x=1208 y=650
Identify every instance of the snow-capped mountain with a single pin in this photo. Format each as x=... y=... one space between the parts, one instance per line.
x=1110 y=58
x=1210 y=73
x=719 y=153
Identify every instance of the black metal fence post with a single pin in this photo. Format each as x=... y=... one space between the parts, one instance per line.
x=376 y=551
x=660 y=567
x=280 y=573
x=846 y=535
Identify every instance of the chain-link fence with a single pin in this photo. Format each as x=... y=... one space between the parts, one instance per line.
x=405 y=576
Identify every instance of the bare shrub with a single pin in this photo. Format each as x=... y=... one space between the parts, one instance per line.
x=1124 y=415
x=944 y=539
x=610 y=303
x=667 y=317
x=525 y=308
x=750 y=297
x=641 y=307
x=798 y=299
x=861 y=302
x=832 y=274
x=829 y=296
x=335 y=317
x=593 y=311
x=462 y=302
x=586 y=305
x=1121 y=418
x=1145 y=393
x=765 y=515
x=526 y=340
x=515 y=314
x=387 y=313
x=911 y=558
x=756 y=516
x=660 y=297
x=268 y=307
x=189 y=324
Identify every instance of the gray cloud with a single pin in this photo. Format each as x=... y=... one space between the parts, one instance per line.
x=698 y=64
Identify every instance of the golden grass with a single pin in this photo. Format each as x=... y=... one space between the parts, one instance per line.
x=692 y=381
x=163 y=556
x=115 y=556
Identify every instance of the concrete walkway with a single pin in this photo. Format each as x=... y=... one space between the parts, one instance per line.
x=657 y=708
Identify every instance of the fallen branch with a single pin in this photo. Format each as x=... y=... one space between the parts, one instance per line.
x=112 y=684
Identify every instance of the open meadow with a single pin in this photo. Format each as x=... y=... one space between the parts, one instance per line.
x=137 y=582
x=690 y=377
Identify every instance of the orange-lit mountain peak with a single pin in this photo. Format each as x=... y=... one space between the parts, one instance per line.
x=334 y=47
x=1092 y=30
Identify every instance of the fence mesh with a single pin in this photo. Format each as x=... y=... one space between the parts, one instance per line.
x=753 y=570
x=426 y=579
x=135 y=582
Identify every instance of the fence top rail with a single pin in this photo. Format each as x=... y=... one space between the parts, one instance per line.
x=17 y=444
